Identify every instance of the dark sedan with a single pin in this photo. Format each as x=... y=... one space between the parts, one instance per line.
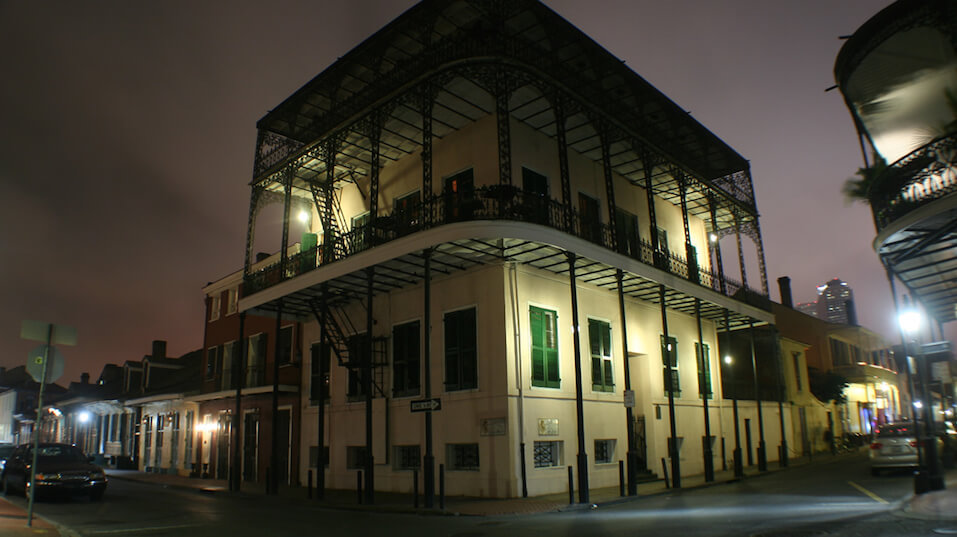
x=61 y=468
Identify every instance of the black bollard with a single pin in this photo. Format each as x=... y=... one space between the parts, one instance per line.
x=309 y=484
x=664 y=470
x=621 y=478
x=415 y=489
x=571 y=486
x=359 y=486
x=442 y=486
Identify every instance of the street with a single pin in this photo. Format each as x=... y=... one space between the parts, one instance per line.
x=836 y=496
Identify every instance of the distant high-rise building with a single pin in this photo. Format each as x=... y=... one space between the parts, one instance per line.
x=835 y=302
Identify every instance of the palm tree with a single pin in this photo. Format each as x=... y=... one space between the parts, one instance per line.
x=856 y=190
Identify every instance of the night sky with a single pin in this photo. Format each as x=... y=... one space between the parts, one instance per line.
x=127 y=132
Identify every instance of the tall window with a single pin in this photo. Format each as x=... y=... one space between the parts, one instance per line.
x=626 y=227
x=669 y=360
x=358 y=348
x=599 y=337
x=796 y=359
x=662 y=239
x=405 y=359
x=230 y=351
x=256 y=361
x=214 y=306
x=544 y=327
x=285 y=345
x=590 y=219
x=319 y=361
x=703 y=356
x=461 y=361
x=212 y=360
x=407 y=213
x=459 y=196
x=232 y=300
x=535 y=201
x=362 y=235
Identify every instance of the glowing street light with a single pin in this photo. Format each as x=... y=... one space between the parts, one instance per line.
x=303 y=216
x=84 y=416
x=910 y=321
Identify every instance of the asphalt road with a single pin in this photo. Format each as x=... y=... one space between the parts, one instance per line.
x=835 y=498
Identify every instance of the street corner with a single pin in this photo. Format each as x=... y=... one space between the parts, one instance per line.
x=938 y=505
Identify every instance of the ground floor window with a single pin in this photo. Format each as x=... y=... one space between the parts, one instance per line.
x=355 y=457
x=604 y=451
x=548 y=454
x=406 y=458
x=314 y=456
x=462 y=457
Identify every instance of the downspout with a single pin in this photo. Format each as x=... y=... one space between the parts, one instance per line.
x=513 y=297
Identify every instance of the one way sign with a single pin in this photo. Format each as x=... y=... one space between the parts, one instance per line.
x=427 y=405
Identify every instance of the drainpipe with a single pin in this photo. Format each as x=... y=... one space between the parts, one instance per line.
x=520 y=381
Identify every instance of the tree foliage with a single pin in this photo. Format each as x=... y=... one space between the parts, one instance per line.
x=860 y=189
x=827 y=385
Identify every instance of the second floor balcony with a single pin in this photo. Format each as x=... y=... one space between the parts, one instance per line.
x=502 y=203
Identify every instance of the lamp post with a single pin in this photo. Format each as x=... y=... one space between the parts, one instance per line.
x=928 y=477
x=736 y=454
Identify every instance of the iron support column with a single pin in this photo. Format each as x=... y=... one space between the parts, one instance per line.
x=669 y=383
x=272 y=484
x=648 y=166
x=691 y=256
x=762 y=448
x=737 y=238
x=609 y=186
x=367 y=389
x=705 y=388
x=632 y=455
x=563 y=170
x=717 y=245
x=428 y=462
x=427 y=195
x=736 y=454
x=240 y=378
x=579 y=401
x=321 y=403
x=782 y=393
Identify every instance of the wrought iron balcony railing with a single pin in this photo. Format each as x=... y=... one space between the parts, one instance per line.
x=498 y=202
x=923 y=176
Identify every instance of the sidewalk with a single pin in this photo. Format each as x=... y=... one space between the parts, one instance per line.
x=13 y=522
x=398 y=502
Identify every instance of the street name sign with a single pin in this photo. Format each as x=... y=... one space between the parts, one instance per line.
x=427 y=405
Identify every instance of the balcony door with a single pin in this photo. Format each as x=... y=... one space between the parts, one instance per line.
x=459 y=194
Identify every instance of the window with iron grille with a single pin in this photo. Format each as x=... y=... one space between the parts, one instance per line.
x=599 y=337
x=548 y=454
x=355 y=457
x=604 y=451
x=462 y=457
x=406 y=458
x=669 y=360
x=314 y=456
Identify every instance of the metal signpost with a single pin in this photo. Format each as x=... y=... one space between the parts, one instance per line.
x=45 y=364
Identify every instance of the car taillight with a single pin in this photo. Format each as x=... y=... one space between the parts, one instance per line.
x=877 y=445
x=914 y=443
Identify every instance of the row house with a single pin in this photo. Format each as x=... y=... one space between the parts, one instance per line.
x=135 y=416
x=250 y=381
x=501 y=253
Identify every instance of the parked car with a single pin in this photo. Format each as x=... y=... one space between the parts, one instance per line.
x=5 y=451
x=895 y=447
x=61 y=468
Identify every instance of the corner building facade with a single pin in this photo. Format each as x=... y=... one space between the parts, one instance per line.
x=527 y=229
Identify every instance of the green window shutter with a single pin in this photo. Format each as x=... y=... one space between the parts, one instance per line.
x=599 y=336
x=544 y=348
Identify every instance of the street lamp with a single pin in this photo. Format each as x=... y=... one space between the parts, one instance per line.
x=928 y=477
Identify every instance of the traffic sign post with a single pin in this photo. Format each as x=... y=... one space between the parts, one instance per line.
x=426 y=405
x=40 y=368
